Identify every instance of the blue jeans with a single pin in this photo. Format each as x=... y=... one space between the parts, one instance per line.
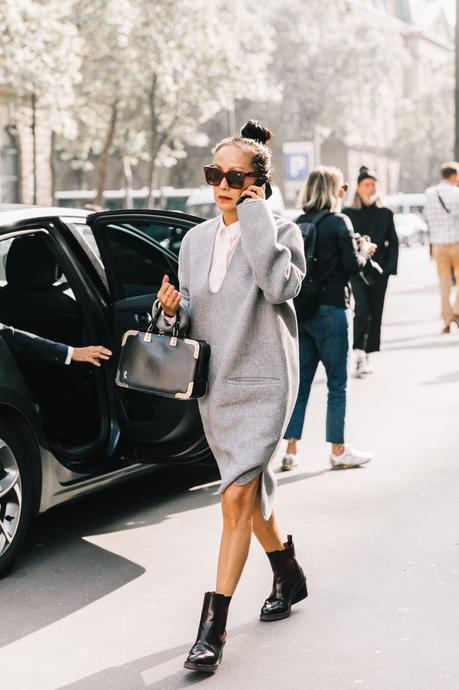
x=325 y=337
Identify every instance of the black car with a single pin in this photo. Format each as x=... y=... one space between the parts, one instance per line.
x=82 y=279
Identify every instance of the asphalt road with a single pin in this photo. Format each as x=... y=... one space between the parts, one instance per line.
x=108 y=593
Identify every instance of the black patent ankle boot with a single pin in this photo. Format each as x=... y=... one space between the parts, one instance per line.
x=289 y=584
x=206 y=653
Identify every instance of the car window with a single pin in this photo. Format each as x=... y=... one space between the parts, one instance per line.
x=204 y=210
x=136 y=267
x=4 y=248
x=61 y=281
x=167 y=235
x=88 y=236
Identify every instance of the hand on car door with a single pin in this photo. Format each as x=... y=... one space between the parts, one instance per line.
x=92 y=354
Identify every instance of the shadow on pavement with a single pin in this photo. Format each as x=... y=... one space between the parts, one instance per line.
x=409 y=322
x=291 y=477
x=143 y=673
x=130 y=676
x=450 y=377
x=52 y=581
x=60 y=572
x=428 y=345
x=406 y=339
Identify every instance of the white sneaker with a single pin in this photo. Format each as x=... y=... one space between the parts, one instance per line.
x=360 y=364
x=349 y=458
x=289 y=462
x=367 y=368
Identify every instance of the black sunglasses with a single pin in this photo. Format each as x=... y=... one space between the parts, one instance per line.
x=235 y=179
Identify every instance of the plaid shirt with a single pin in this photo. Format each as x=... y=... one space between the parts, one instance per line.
x=443 y=226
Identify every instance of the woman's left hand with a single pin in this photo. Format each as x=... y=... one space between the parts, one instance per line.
x=254 y=192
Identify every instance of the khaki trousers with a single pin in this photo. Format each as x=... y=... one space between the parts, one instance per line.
x=447 y=258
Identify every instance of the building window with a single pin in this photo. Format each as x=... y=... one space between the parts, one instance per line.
x=9 y=169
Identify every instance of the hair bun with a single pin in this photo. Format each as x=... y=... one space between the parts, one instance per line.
x=254 y=130
x=365 y=174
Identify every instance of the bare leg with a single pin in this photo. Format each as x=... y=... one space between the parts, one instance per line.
x=266 y=531
x=238 y=504
x=291 y=446
x=289 y=583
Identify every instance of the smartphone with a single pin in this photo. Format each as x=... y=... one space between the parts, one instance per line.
x=259 y=182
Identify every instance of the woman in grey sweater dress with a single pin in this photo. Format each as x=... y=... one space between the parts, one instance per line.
x=238 y=275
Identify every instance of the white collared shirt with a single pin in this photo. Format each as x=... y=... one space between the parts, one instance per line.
x=226 y=241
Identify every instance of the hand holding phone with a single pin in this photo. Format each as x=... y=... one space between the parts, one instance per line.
x=259 y=182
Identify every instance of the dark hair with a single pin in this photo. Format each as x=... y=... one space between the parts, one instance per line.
x=253 y=138
x=254 y=130
x=448 y=169
x=365 y=174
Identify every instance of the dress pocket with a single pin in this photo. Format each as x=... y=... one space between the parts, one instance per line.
x=253 y=381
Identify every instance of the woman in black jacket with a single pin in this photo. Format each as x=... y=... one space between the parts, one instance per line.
x=324 y=334
x=369 y=217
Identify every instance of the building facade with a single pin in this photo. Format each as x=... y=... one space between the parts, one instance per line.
x=26 y=161
x=428 y=39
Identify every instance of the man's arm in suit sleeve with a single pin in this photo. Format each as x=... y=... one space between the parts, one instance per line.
x=29 y=345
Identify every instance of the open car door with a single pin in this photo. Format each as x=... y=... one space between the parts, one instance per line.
x=137 y=248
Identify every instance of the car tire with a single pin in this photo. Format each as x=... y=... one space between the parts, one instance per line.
x=15 y=495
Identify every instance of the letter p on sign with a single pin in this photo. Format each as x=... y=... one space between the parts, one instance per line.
x=297 y=166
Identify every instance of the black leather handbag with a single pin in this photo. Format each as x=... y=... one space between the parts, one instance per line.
x=163 y=364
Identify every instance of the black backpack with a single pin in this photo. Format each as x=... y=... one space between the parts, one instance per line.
x=308 y=301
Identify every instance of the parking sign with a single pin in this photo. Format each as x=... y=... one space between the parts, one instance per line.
x=298 y=162
x=297 y=165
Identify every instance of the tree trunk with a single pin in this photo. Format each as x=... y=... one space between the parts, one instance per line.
x=102 y=162
x=158 y=140
x=127 y=171
x=153 y=172
x=231 y=115
x=34 y=147
x=52 y=165
x=456 y=94
x=152 y=179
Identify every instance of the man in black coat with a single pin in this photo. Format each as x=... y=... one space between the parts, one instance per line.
x=29 y=345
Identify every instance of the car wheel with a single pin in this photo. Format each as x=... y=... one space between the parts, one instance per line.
x=15 y=496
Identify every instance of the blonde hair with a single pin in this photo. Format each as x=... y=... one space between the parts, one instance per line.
x=321 y=190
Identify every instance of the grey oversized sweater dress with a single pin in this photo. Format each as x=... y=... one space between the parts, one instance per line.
x=250 y=324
